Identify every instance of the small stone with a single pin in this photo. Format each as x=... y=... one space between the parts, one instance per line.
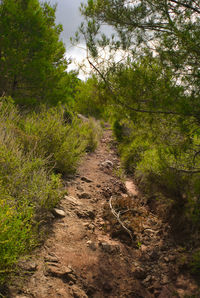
x=59 y=271
x=107 y=164
x=73 y=200
x=80 y=188
x=166 y=259
x=77 y=292
x=85 y=214
x=91 y=227
x=51 y=259
x=98 y=185
x=94 y=200
x=109 y=248
x=91 y=245
x=86 y=179
x=164 y=280
x=148 y=279
x=27 y=266
x=84 y=195
x=58 y=213
x=139 y=273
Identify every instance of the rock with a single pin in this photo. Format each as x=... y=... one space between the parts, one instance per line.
x=73 y=200
x=147 y=279
x=131 y=188
x=51 y=259
x=61 y=272
x=77 y=292
x=106 y=164
x=91 y=227
x=95 y=200
x=86 y=213
x=84 y=195
x=109 y=248
x=91 y=245
x=139 y=273
x=80 y=188
x=58 y=213
x=166 y=259
x=86 y=179
x=28 y=266
x=164 y=279
x=98 y=185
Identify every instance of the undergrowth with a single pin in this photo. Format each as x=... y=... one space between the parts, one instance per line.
x=166 y=168
x=36 y=149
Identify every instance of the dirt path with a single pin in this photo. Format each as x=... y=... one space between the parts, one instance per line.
x=81 y=259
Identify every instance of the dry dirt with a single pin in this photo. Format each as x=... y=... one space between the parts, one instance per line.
x=89 y=254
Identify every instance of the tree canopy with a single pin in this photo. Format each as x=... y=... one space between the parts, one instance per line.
x=32 y=57
x=167 y=32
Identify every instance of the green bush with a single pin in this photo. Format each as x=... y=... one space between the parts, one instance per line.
x=34 y=147
x=62 y=143
x=16 y=232
x=91 y=131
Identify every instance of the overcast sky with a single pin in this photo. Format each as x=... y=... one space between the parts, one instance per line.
x=69 y=16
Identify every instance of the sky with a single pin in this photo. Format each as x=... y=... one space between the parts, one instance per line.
x=69 y=16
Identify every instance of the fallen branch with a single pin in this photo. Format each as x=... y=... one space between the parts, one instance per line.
x=117 y=216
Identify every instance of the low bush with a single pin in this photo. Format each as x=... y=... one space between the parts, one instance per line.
x=35 y=149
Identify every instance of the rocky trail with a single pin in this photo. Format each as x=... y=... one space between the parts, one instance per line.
x=90 y=254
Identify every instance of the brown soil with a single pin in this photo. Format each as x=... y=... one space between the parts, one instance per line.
x=89 y=254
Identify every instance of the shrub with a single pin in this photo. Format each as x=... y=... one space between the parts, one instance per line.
x=91 y=132
x=34 y=147
x=63 y=143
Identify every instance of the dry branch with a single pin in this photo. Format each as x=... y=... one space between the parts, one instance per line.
x=117 y=216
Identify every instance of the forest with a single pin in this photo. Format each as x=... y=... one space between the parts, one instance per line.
x=147 y=87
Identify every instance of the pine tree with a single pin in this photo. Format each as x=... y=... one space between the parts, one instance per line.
x=168 y=30
x=32 y=62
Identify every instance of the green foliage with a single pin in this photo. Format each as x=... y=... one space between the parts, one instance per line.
x=117 y=130
x=150 y=69
x=16 y=233
x=168 y=30
x=32 y=63
x=91 y=132
x=62 y=143
x=89 y=99
x=34 y=147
